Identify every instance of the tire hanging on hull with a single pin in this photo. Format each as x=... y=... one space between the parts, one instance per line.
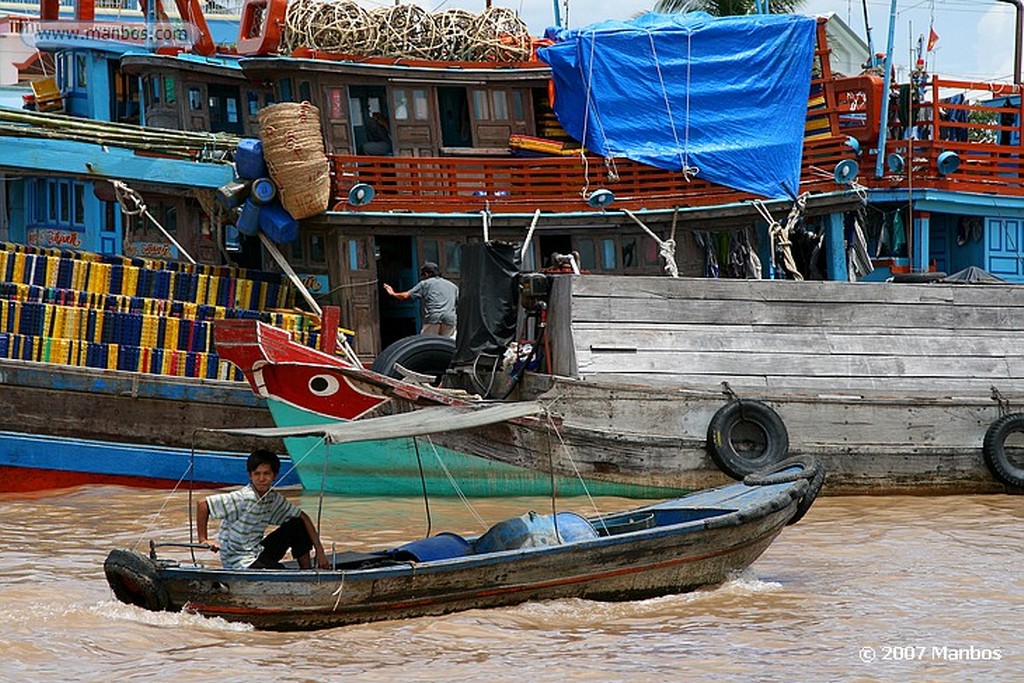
x=994 y=450
x=134 y=579
x=746 y=436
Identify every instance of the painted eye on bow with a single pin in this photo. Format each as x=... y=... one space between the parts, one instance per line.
x=323 y=385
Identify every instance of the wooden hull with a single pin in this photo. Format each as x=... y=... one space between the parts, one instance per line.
x=925 y=447
x=695 y=541
x=127 y=407
x=65 y=426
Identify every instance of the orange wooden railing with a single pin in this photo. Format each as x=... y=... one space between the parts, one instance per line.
x=989 y=162
x=515 y=185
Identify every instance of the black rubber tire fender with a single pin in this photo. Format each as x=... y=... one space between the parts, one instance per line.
x=429 y=354
x=720 y=444
x=994 y=450
x=812 y=471
x=135 y=580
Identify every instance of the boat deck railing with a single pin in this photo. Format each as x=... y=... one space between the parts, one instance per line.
x=556 y=183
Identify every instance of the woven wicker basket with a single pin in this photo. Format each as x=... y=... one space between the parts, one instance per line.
x=293 y=148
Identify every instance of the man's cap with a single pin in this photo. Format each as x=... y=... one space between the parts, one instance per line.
x=430 y=268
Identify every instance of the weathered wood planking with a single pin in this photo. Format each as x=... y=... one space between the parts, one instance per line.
x=800 y=335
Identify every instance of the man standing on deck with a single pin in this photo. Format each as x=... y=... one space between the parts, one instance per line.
x=438 y=297
x=246 y=513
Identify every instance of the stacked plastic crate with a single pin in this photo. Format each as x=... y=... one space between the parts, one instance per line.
x=141 y=315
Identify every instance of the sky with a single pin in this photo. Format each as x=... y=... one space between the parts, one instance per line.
x=975 y=36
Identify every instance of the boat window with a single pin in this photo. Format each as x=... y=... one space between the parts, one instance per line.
x=588 y=258
x=629 y=255
x=608 y=254
x=214 y=109
x=317 y=252
x=253 y=100
x=285 y=88
x=171 y=218
x=169 y=96
x=232 y=109
x=518 y=111
x=78 y=217
x=480 y=112
x=52 y=199
x=430 y=251
x=499 y=110
x=453 y=257
x=420 y=109
x=65 y=201
x=80 y=71
x=305 y=92
x=401 y=99
x=195 y=99
x=298 y=254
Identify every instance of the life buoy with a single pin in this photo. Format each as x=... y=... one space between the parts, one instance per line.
x=745 y=436
x=427 y=354
x=994 y=449
x=790 y=470
x=135 y=580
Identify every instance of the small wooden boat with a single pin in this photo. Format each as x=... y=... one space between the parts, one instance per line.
x=665 y=548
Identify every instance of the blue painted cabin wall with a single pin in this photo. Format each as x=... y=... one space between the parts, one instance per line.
x=38 y=213
x=1004 y=248
x=1000 y=250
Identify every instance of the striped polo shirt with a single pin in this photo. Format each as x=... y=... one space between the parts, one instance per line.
x=244 y=517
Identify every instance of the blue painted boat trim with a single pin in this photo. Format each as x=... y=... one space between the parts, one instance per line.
x=84 y=159
x=127 y=460
x=944 y=201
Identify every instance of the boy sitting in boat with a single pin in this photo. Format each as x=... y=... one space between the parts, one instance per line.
x=245 y=515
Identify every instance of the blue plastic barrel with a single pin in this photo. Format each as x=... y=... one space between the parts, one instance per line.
x=264 y=190
x=249 y=163
x=249 y=218
x=277 y=223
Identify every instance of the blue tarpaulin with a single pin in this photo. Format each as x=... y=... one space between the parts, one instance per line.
x=727 y=96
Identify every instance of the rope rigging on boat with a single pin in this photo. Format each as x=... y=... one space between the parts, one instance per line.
x=780 y=246
x=132 y=204
x=666 y=248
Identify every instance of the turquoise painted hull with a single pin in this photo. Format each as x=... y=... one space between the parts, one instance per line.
x=390 y=468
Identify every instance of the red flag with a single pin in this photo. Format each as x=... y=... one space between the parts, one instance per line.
x=933 y=38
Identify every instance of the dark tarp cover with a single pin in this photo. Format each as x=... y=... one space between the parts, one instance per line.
x=725 y=95
x=487 y=301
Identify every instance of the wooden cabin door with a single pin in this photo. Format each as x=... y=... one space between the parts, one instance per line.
x=358 y=287
x=412 y=122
